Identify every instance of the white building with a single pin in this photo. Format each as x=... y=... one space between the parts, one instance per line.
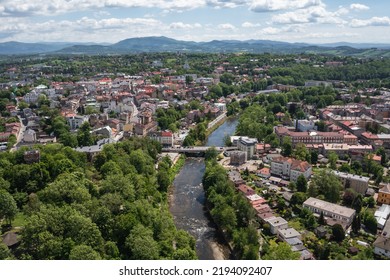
x=276 y=224
x=382 y=214
x=305 y=125
x=338 y=213
x=247 y=145
x=75 y=121
x=290 y=168
x=163 y=137
x=31 y=97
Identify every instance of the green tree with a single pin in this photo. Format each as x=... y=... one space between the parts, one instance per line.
x=368 y=219
x=141 y=244
x=211 y=153
x=298 y=198
x=5 y=253
x=311 y=222
x=301 y=184
x=333 y=158
x=338 y=233
x=313 y=157
x=286 y=146
x=301 y=152
x=321 y=219
x=8 y=207
x=356 y=224
x=84 y=252
x=292 y=186
x=84 y=136
x=281 y=251
x=327 y=184
x=357 y=203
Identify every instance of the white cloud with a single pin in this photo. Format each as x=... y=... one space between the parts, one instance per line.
x=226 y=3
x=53 y=7
x=181 y=25
x=277 y=5
x=271 y=31
x=359 y=7
x=81 y=30
x=226 y=26
x=285 y=29
x=250 y=25
x=374 y=21
x=316 y=14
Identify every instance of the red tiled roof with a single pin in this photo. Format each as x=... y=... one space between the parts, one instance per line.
x=246 y=189
x=369 y=135
x=166 y=134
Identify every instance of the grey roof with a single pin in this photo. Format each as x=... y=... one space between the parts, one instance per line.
x=288 y=233
x=294 y=241
x=351 y=176
x=277 y=221
x=329 y=207
x=382 y=243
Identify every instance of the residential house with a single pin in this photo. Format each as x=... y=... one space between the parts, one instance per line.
x=382 y=243
x=76 y=121
x=384 y=194
x=30 y=136
x=163 y=137
x=382 y=214
x=356 y=182
x=339 y=214
x=290 y=235
x=276 y=224
x=290 y=168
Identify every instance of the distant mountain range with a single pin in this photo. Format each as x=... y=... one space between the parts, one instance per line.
x=164 y=44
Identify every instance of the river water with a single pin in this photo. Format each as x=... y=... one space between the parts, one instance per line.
x=187 y=203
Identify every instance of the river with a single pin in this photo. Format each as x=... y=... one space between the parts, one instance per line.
x=187 y=203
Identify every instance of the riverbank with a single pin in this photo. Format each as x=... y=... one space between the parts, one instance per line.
x=177 y=165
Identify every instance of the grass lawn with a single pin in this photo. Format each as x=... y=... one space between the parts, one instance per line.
x=20 y=220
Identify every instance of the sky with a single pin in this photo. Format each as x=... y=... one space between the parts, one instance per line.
x=109 y=21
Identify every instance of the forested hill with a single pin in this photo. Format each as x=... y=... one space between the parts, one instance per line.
x=113 y=208
x=164 y=44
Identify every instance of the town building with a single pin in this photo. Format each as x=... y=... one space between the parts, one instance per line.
x=305 y=125
x=289 y=168
x=165 y=138
x=237 y=157
x=30 y=136
x=384 y=194
x=337 y=213
x=382 y=243
x=356 y=182
x=75 y=121
x=276 y=224
x=247 y=145
x=315 y=137
x=382 y=214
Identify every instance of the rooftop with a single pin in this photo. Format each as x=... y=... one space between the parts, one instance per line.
x=351 y=176
x=329 y=207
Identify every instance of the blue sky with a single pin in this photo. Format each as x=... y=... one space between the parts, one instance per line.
x=312 y=21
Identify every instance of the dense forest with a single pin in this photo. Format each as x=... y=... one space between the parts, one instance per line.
x=114 y=207
x=231 y=211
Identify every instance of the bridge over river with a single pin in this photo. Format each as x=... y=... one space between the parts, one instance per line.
x=195 y=150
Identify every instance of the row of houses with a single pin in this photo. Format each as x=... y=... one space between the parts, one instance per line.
x=278 y=225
